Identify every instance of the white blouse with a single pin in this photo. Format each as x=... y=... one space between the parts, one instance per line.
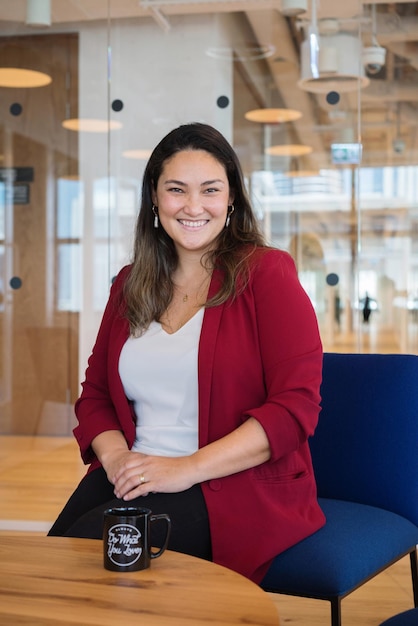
x=159 y=374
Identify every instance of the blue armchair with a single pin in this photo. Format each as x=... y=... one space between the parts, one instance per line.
x=407 y=618
x=365 y=456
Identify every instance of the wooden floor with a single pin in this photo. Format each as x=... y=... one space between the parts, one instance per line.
x=37 y=474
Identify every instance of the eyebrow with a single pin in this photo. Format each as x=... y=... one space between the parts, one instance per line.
x=172 y=181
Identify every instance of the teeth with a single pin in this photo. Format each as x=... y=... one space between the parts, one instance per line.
x=193 y=224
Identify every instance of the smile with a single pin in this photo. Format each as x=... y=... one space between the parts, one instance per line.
x=196 y=224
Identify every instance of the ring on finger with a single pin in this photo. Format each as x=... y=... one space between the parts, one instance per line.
x=142 y=479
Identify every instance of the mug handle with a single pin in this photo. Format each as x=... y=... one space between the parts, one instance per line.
x=166 y=518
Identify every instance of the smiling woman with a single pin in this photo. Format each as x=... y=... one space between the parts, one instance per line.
x=203 y=385
x=192 y=196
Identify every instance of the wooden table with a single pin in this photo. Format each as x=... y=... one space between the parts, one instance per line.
x=57 y=581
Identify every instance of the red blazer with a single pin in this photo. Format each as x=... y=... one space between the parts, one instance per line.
x=259 y=355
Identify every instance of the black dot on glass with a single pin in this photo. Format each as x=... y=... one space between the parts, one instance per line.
x=222 y=102
x=16 y=108
x=333 y=97
x=332 y=279
x=15 y=282
x=117 y=105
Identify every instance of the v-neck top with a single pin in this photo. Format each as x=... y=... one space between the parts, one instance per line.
x=159 y=375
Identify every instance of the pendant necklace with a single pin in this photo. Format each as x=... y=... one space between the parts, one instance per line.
x=185 y=296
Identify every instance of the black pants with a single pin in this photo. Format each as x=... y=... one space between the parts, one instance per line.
x=82 y=516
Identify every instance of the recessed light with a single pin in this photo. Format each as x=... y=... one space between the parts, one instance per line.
x=91 y=125
x=273 y=116
x=13 y=77
x=137 y=154
x=288 y=150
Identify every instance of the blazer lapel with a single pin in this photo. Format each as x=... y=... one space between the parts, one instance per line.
x=207 y=345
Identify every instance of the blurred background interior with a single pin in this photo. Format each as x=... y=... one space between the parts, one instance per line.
x=318 y=97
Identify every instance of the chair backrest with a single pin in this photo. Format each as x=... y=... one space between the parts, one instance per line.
x=365 y=448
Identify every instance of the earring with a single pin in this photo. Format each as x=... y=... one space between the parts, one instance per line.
x=231 y=209
x=155 y=211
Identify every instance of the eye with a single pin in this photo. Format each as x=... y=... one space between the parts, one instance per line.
x=211 y=190
x=175 y=189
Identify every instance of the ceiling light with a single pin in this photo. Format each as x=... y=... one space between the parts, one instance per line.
x=288 y=150
x=38 y=12
x=137 y=154
x=290 y=8
x=302 y=173
x=334 y=66
x=16 y=77
x=241 y=52
x=272 y=116
x=90 y=125
x=69 y=177
x=329 y=26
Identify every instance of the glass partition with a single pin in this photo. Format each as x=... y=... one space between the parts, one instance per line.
x=332 y=175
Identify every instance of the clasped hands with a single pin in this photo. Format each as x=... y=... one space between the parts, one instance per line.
x=135 y=474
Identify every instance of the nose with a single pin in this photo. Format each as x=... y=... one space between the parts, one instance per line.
x=193 y=204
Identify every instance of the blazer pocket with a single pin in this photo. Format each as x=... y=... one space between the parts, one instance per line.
x=280 y=477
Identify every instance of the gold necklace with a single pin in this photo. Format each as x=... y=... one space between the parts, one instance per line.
x=185 y=296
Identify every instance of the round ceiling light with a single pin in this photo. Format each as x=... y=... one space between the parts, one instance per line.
x=91 y=125
x=288 y=150
x=137 y=154
x=291 y=8
x=338 y=66
x=15 y=77
x=242 y=52
x=303 y=173
x=38 y=12
x=273 y=116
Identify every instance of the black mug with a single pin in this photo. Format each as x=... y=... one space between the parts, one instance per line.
x=127 y=543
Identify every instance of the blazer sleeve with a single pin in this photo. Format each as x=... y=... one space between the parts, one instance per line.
x=96 y=409
x=291 y=353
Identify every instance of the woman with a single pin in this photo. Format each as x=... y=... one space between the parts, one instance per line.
x=203 y=385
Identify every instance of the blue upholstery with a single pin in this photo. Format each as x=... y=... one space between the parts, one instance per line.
x=365 y=456
x=408 y=618
x=322 y=575
x=365 y=445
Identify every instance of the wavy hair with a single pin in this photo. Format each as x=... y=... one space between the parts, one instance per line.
x=149 y=287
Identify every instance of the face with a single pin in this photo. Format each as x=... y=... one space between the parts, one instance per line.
x=192 y=197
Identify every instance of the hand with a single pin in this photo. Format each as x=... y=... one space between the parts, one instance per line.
x=114 y=462
x=139 y=474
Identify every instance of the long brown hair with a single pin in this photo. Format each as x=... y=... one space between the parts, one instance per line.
x=149 y=287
